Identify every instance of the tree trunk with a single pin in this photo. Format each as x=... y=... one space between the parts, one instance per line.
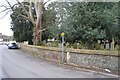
x=36 y=35
x=38 y=27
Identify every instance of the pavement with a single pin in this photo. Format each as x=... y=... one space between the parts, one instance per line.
x=18 y=64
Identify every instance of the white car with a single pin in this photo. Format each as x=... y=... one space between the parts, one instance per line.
x=13 y=46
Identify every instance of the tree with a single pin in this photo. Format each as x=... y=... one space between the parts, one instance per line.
x=85 y=22
x=29 y=16
x=36 y=23
x=23 y=29
x=20 y=24
x=48 y=20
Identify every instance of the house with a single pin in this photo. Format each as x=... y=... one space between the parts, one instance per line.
x=1 y=39
x=5 y=37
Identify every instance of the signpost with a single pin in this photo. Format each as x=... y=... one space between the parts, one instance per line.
x=62 y=35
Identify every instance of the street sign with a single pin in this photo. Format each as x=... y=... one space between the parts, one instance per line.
x=62 y=34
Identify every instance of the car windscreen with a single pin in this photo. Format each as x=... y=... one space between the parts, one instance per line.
x=14 y=44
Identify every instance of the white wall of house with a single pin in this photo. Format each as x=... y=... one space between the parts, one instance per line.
x=1 y=40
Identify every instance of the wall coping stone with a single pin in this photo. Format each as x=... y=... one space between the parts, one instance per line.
x=79 y=51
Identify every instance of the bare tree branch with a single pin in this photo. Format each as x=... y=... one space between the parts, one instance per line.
x=42 y=30
x=9 y=5
x=46 y=2
x=5 y=10
x=23 y=7
x=4 y=6
x=30 y=8
x=26 y=6
x=5 y=14
x=24 y=16
x=14 y=6
x=27 y=12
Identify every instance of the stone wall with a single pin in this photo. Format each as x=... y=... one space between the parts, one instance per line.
x=94 y=59
x=100 y=62
x=43 y=53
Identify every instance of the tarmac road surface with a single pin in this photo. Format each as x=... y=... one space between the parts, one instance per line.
x=17 y=64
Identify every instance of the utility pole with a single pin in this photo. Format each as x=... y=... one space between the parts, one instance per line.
x=62 y=35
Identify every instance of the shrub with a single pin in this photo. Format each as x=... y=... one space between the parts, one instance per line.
x=69 y=45
x=75 y=45
x=119 y=48
x=97 y=46
x=54 y=44
x=80 y=46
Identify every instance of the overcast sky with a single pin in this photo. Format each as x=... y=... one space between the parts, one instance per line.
x=5 y=21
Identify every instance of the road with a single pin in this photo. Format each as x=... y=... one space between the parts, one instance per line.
x=17 y=64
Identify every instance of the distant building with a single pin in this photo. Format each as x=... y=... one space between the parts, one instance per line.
x=5 y=38
x=1 y=39
x=0 y=35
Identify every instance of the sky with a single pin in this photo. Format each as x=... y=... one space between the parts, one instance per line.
x=5 y=21
x=5 y=26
